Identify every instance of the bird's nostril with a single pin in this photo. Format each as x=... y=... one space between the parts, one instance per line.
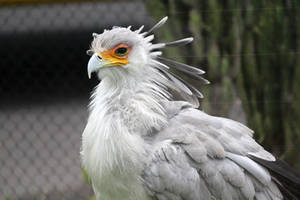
x=99 y=57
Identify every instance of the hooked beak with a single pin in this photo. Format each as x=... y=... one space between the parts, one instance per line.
x=95 y=63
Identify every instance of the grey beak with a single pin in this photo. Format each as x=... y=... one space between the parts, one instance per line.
x=94 y=64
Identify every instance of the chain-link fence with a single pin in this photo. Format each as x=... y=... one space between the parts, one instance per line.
x=44 y=93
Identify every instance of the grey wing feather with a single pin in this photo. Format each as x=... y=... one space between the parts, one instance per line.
x=198 y=156
x=168 y=166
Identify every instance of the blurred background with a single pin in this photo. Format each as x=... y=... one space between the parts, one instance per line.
x=249 y=49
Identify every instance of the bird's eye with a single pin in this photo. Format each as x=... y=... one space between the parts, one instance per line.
x=121 y=51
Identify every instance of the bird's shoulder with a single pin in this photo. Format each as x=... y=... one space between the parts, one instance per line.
x=218 y=135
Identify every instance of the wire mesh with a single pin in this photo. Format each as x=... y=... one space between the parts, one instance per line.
x=44 y=93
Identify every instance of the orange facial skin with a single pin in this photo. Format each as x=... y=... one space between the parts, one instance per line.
x=113 y=58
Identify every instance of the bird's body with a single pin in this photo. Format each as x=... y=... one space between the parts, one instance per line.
x=140 y=144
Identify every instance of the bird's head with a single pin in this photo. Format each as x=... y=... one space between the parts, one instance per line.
x=133 y=53
x=118 y=49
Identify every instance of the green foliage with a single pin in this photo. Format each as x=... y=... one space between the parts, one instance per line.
x=250 y=50
x=86 y=177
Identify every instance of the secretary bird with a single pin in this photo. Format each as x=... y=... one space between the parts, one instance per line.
x=142 y=143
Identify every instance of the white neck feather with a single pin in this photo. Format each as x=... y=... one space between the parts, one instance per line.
x=123 y=109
